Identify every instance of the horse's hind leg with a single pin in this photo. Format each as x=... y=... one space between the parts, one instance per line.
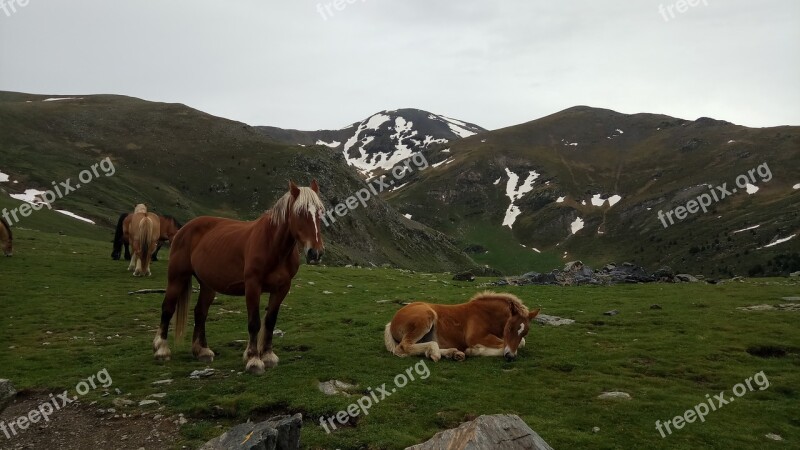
x=176 y=288
x=199 y=344
x=415 y=329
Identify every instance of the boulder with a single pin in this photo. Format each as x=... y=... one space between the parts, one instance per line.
x=686 y=278
x=464 y=276
x=277 y=433
x=7 y=393
x=555 y=321
x=495 y=432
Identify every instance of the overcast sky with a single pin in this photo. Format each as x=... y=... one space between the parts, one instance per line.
x=495 y=62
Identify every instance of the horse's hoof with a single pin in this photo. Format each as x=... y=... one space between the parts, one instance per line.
x=459 y=356
x=435 y=356
x=270 y=359
x=205 y=355
x=255 y=366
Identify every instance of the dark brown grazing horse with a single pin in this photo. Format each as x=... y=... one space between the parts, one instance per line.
x=241 y=259
x=143 y=235
x=490 y=324
x=6 y=238
x=169 y=227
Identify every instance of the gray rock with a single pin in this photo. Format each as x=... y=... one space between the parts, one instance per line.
x=555 y=321
x=277 y=433
x=160 y=382
x=148 y=402
x=795 y=274
x=335 y=387
x=773 y=436
x=7 y=393
x=495 y=432
x=686 y=278
x=197 y=374
x=613 y=312
x=464 y=276
x=615 y=395
x=122 y=402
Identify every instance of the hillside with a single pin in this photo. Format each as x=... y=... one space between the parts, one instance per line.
x=186 y=163
x=588 y=184
x=380 y=141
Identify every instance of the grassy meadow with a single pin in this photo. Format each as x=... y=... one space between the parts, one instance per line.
x=65 y=314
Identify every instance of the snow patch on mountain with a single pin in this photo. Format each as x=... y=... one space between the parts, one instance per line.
x=333 y=144
x=514 y=193
x=576 y=225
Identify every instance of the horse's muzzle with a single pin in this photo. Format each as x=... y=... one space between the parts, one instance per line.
x=314 y=256
x=509 y=356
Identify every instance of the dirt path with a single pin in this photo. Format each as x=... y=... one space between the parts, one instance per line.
x=84 y=426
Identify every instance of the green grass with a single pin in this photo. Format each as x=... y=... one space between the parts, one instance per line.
x=65 y=291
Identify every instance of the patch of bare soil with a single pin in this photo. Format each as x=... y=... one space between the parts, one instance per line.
x=80 y=425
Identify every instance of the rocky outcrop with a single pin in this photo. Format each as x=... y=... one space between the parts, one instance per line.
x=7 y=393
x=495 y=432
x=576 y=273
x=277 y=433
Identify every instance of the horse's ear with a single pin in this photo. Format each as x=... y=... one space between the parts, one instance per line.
x=294 y=189
x=533 y=314
x=315 y=186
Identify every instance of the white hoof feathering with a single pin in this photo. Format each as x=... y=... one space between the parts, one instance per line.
x=270 y=360
x=205 y=355
x=255 y=366
x=161 y=349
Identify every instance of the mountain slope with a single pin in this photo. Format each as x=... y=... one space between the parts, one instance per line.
x=187 y=163
x=382 y=140
x=588 y=183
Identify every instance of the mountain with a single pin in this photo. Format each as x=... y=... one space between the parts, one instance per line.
x=187 y=163
x=588 y=183
x=384 y=139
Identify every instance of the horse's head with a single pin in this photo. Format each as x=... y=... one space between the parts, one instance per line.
x=303 y=218
x=517 y=327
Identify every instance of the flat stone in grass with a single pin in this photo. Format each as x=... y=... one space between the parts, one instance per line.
x=197 y=374
x=148 y=402
x=783 y=307
x=791 y=299
x=495 y=432
x=555 y=321
x=7 y=393
x=615 y=395
x=160 y=382
x=335 y=387
x=613 y=312
x=277 y=433
x=773 y=436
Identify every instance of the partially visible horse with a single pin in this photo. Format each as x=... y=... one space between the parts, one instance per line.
x=6 y=237
x=142 y=233
x=169 y=227
x=241 y=259
x=490 y=324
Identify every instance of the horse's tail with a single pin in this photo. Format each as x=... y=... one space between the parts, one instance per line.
x=145 y=235
x=388 y=339
x=117 y=251
x=182 y=309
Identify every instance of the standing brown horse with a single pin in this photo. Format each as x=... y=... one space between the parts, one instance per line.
x=143 y=235
x=169 y=227
x=241 y=259
x=6 y=237
x=490 y=324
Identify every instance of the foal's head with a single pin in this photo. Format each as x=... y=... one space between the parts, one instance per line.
x=517 y=327
x=303 y=214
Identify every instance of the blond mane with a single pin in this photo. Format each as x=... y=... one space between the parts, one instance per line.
x=307 y=201
x=513 y=302
x=140 y=208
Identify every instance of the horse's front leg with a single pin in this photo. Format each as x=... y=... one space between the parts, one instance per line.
x=252 y=360
x=270 y=319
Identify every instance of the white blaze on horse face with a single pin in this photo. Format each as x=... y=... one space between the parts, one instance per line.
x=313 y=211
x=521 y=329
